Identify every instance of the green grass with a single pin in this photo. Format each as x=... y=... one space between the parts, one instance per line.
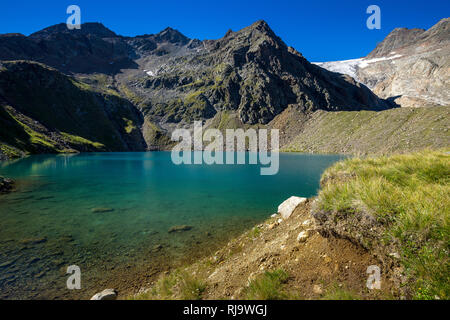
x=10 y=152
x=370 y=132
x=254 y=233
x=268 y=286
x=81 y=141
x=339 y=293
x=191 y=288
x=178 y=285
x=130 y=126
x=410 y=196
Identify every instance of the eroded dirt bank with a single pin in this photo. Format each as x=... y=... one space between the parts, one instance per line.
x=314 y=266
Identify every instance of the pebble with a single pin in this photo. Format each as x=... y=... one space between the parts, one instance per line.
x=303 y=236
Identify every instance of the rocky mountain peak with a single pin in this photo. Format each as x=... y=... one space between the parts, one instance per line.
x=439 y=33
x=89 y=28
x=172 y=36
x=398 y=38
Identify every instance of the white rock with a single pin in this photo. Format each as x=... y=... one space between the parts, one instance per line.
x=395 y=255
x=307 y=223
x=317 y=289
x=274 y=215
x=280 y=221
x=108 y=294
x=303 y=236
x=288 y=206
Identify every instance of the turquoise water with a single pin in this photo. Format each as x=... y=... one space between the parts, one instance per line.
x=51 y=221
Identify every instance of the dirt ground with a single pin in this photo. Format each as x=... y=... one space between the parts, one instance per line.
x=317 y=267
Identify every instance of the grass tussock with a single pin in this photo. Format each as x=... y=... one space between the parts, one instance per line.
x=178 y=285
x=268 y=286
x=410 y=195
x=339 y=292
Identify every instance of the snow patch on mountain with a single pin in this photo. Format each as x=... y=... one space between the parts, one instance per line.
x=350 y=67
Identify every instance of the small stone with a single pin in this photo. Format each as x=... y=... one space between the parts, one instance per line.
x=394 y=255
x=303 y=236
x=272 y=226
x=274 y=215
x=317 y=289
x=33 y=241
x=307 y=223
x=108 y=294
x=102 y=210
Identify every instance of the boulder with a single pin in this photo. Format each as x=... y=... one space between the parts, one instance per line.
x=288 y=206
x=108 y=294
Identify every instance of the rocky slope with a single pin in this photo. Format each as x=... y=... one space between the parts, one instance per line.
x=45 y=111
x=250 y=75
x=365 y=132
x=410 y=67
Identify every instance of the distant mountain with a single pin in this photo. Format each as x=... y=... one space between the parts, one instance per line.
x=44 y=111
x=249 y=76
x=410 y=67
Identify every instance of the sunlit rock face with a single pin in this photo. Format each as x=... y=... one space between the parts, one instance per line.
x=410 y=67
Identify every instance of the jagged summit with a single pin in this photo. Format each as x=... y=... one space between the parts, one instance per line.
x=398 y=38
x=88 y=28
x=171 y=35
x=410 y=39
x=250 y=74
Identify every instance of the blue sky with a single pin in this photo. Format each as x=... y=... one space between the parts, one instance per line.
x=323 y=30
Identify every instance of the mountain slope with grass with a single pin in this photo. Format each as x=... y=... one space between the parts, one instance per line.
x=364 y=132
x=44 y=111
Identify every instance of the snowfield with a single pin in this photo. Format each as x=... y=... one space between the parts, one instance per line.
x=350 y=67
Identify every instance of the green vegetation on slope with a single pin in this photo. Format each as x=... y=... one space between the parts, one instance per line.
x=50 y=112
x=268 y=286
x=409 y=195
x=369 y=132
x=178 y=285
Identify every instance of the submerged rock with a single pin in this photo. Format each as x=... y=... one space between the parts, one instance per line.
x=287 y=207
x=108 y=294
x=180 y=228
x=33 y=241
x=6 y=185
x=102 y=210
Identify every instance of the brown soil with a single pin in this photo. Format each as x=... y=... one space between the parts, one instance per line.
x=317 y=268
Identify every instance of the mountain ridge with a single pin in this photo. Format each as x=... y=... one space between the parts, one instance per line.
x=247 y=78
x=410 y=66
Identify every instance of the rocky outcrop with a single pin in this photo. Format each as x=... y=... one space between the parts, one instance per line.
x=410 y=67
x=45 y=111
x=107 y=294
